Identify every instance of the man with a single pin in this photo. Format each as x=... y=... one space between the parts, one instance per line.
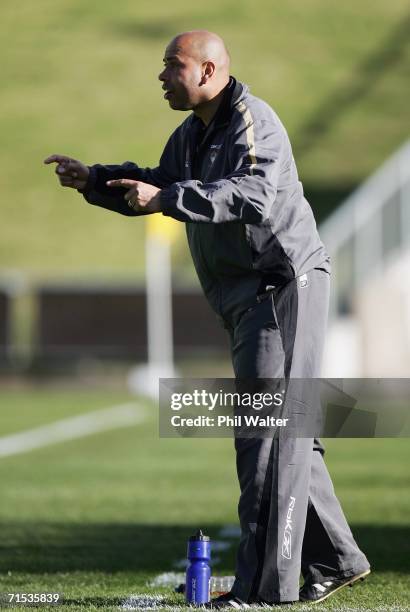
x=228 y=172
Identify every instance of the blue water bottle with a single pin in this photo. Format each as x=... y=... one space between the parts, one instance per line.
x=198 y=573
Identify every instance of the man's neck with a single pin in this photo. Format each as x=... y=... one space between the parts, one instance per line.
x=207 y=110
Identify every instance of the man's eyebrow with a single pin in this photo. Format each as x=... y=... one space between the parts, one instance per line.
x=170 y=57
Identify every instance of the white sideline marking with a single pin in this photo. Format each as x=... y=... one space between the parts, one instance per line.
x=144 y=602
x=71 y=428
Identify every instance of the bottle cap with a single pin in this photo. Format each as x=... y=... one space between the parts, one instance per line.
x=199 y=536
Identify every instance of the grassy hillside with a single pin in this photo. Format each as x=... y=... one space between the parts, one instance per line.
x=81 y=78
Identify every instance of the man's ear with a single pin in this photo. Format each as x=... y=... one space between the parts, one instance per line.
x=208 y=69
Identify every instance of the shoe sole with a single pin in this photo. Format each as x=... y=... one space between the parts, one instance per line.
x=350 y=582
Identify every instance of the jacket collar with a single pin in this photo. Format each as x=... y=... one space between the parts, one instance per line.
x=235 y=92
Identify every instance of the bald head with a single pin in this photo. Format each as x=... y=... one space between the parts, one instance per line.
x=204 y=46
x=196 y=69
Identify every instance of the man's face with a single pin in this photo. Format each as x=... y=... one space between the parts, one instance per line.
x=181 y=78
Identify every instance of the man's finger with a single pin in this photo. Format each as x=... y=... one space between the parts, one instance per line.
x=131 y=193
x=60 y=159
x=121 y=183
x=61 y=170
x=66 y=181
x=67 y=169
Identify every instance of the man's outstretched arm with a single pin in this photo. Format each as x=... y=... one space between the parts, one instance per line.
x=99 y=183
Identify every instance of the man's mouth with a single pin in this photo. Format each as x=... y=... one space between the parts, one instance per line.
x=167 y=93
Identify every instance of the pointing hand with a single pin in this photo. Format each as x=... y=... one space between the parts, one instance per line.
x=70 y=172
x=140 y=196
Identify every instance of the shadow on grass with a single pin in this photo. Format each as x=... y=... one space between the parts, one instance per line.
x=54 y=547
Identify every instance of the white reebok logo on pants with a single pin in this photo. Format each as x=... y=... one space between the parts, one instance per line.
x=287 y=534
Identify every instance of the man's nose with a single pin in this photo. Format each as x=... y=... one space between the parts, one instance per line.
x=161 y=75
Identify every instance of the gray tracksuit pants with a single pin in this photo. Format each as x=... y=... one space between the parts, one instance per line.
x=290 y=517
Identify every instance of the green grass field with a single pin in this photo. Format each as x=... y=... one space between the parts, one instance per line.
x=98 y=518
x=81 y=78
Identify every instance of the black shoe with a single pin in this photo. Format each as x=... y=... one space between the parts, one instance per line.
x=227 y=600
x=318 y=591
x=271 y=604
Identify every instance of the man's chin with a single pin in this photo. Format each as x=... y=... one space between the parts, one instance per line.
x=175 y=105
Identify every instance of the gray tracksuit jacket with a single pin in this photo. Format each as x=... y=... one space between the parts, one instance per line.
x=236 y=187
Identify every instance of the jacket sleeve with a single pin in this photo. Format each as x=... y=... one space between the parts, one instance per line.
x=247 y=193
x=165 y=174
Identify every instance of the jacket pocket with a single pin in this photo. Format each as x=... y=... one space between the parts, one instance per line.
x=263 y=310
